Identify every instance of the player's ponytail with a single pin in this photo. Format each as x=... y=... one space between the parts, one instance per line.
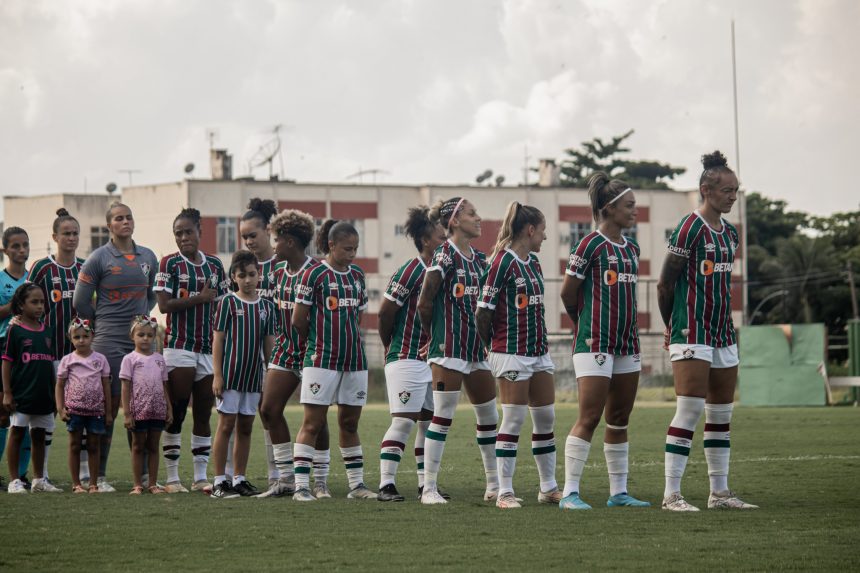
x=419 y=225
x=713 y=165
x=190 y=214
x=603 y=192
x=331 y=232
x=62 y=217
x=517 y=218
x=260 y=209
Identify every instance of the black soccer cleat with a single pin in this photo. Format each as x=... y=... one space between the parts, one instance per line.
x=389 y=493
x=224 y=490
x=245 y=489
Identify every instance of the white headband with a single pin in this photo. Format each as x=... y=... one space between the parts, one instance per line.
x=619 y=196
x=454 y=212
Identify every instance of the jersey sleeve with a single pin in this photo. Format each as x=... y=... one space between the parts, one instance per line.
x=11 y=350
x=165 y=277
x=163 y=364
x=85 y=288
x=581 y=258
x=105 y=367
x=442 y=260
x=306 y=287
x=493 y=281
x=400 y=286
x=126 y=369
x=362 y=303
x=683 y=239
x=63 y=368
x=222 y=316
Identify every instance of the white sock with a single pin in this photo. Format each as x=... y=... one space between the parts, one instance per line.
x=322 y=462
x=49 y=438
x=487 y=417
x=219 y=480
x=303 y=459
x=543 y=445
x=228 y=465
x=283 y=454
x=237 y=479
x=575 y=455
x=444 y=406
x=270 y=456
x=201 y=446
x=170 y=447
x=616 y=464
x=718 y=417
x=688 y=410
x=391 y=451
x=353 y=460
x=420 y=436
x=84 y=473
x=513 y=417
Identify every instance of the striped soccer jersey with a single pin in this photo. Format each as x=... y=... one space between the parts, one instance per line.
x=454 y=333
x=336 y=299
x=289 y=349
x=607 y=319
x=267 y=286
x=245 y=326
x=191 y=329
x=58 y=285
x=702 y=312
x=514 y=289
x=404 y=289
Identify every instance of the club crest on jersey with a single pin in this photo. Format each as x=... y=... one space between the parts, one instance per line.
x=271 y=276
x=689 y=354
x=404 y=396
x=511 y=375
x=263 y=314
x=314 y=387
x=600 y=359
x=145 y=268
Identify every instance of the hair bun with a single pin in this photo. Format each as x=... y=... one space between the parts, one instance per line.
x=714 y=160
x=61 y=212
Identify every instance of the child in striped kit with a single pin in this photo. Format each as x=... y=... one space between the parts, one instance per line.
x=245 y=328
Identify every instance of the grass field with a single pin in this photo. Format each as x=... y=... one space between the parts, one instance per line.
x=802 y=466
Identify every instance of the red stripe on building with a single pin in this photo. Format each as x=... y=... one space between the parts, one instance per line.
x=208 y=234
x=315 y=208
x=644 y=267
x=354 y=210
x=643 y=320
x=643 y=214
x=370 y=320
x=489 y=234
x=369 y=265
x=575 y=213
x=737 y=294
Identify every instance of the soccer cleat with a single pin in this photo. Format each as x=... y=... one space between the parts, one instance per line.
x=676 y=502
x=552 y=497
x=389 y=492
x=625 y=500
x=507 y=501
x=432 y=498
x=245 y=489
x=204 y=486
x=727 y=500
x=16 y=486
x=573 y=501
x=104 y=486
x=321 y=491
x=278 y=489
x=303 y=494
x=491 y=494
x=361 y=491
x=175 y=487
x=444 y=494
x=224 y=490
x=42 y=485
x=26 y=482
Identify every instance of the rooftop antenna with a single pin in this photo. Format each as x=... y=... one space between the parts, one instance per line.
x=267 y=152
x=130 y=172
x=211 y=135
x=362 y=172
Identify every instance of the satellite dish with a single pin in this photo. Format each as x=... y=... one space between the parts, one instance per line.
x=500 y=179
x=484 y=176
x=189 y=167
x=110 y=187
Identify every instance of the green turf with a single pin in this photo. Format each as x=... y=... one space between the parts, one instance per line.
x=801 y=465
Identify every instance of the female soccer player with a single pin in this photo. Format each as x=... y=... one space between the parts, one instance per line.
x=188 y=285
x=694 y=294
x=599 y=294
x=446 y=307
x=330 y=299
x=120 y=274
x=407 y=374
x=293 y=231
x=511 y=324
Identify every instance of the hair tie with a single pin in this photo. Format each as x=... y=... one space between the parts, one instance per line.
x=619 y=196
x=145 y=320
x=454 y=212
x=77 y=322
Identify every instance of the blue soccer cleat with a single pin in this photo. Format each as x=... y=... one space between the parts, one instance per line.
x=573 y=501
x=625 y=500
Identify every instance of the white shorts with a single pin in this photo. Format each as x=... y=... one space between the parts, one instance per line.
x=277 y=368
x=409 y=386
x=724 y=357
x=462 y=366
x=326 y=387
x=21 y=420
x=202 y=363
x=605 y=365
x=235 y=402
x=514 y=367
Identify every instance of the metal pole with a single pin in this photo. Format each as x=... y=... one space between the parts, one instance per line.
x=853 y=292
x=735 y=86
x=743 y=200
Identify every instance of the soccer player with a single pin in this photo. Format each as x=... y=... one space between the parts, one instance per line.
x=189 y=285
x=407 y=374
x=599 y=294
x=330 y=299
x=115 y=285
x=446 y=307
x=294 y=231
x=244 y=336
x=511 y=324
x=57 y=277
x=694 y=294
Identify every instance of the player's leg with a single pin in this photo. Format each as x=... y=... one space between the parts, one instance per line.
x=201 y=435
x=322 y=463
x=280 y=385
x=114 y=358
x=542 y=410
x=481 y=388
x=242 y=437
x=180 y=382
x=593 y=389
x=303 y=451
x=616 y=448
x=514 y=395
x=446 y=394
x=406 y=393
x=228 y=410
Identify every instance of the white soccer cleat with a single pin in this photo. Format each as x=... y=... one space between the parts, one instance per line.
x=727 y=500
x=278 y=489
x=676 y=502
x=202 y=485
x=303 y=494
x=361 y=491
x=432 y=498
x=321 y=491
x=552 y=497
x=175 y=487
x=104 y=486
x=507 y=501
x=42 y=485
x=16 y=486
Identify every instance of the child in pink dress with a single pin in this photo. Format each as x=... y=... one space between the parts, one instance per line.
x=145 y=403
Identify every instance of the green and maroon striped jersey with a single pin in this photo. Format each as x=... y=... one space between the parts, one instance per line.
x=404 y=289
x=607 y=320
x=702 y=312
x=454 y=333
x=267 y=287
x=513 y=288
x=191 y=329
x=336 y=299
x=289 y=349
x=245 y=326
x=58 y=284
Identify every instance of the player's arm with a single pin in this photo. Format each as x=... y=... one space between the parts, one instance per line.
x=484 y=322
x=5 y=310
x=673 y=268
x=218 y=362
x=300 y=319
x=570 y=295
x=6 y=370
x=60 y=398
x=167 y=304
x=106 y=393
x=387 y=313
x=128 y=419
x=268 y=345
x=85 y=292
x=432 y=284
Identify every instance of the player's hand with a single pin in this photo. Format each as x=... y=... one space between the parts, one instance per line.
x=207 y=294
x=8 y=402
x=15 y=320
x=65 y=415
x=108 y=419
x=128 y=422
x=218 y=386
x=666 y=338
x=423 y=351
x=169 y=419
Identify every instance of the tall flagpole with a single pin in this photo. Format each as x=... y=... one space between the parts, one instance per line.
x=742 y=202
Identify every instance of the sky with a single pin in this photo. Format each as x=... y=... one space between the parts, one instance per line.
x=430 y=91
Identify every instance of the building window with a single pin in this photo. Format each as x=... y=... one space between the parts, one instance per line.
x=632 y=232
x=98 y=236
x=226 y=235
x=576 y=232
x=399 y=230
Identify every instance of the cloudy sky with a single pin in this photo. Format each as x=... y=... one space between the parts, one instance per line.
x=429 y=90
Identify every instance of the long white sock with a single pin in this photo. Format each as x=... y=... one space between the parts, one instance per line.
x=391 y=451
x=171 y=445
x=270 y=456
x=420 y=436
x=543 y=445
x=354 y=462
x=303 y=459
x=718 y=417
x=616 y=464
x=575 y=455
x=283 y=454
x=84 y=473
x=322 y=463
x=444 y=406
x=201 y=446
x=679 y=438
x=228 y=466
x=487 y=417
x=49 y=439
x=513 y=417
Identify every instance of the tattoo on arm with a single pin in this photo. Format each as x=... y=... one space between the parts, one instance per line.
x=484 y=322
x=673 y=268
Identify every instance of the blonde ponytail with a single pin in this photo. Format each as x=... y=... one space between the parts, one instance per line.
x=517 y=217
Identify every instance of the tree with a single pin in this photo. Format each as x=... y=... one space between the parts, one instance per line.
x=600 y=155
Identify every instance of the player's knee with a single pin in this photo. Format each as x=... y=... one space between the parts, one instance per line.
x=180 y=410
x=349 y=425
